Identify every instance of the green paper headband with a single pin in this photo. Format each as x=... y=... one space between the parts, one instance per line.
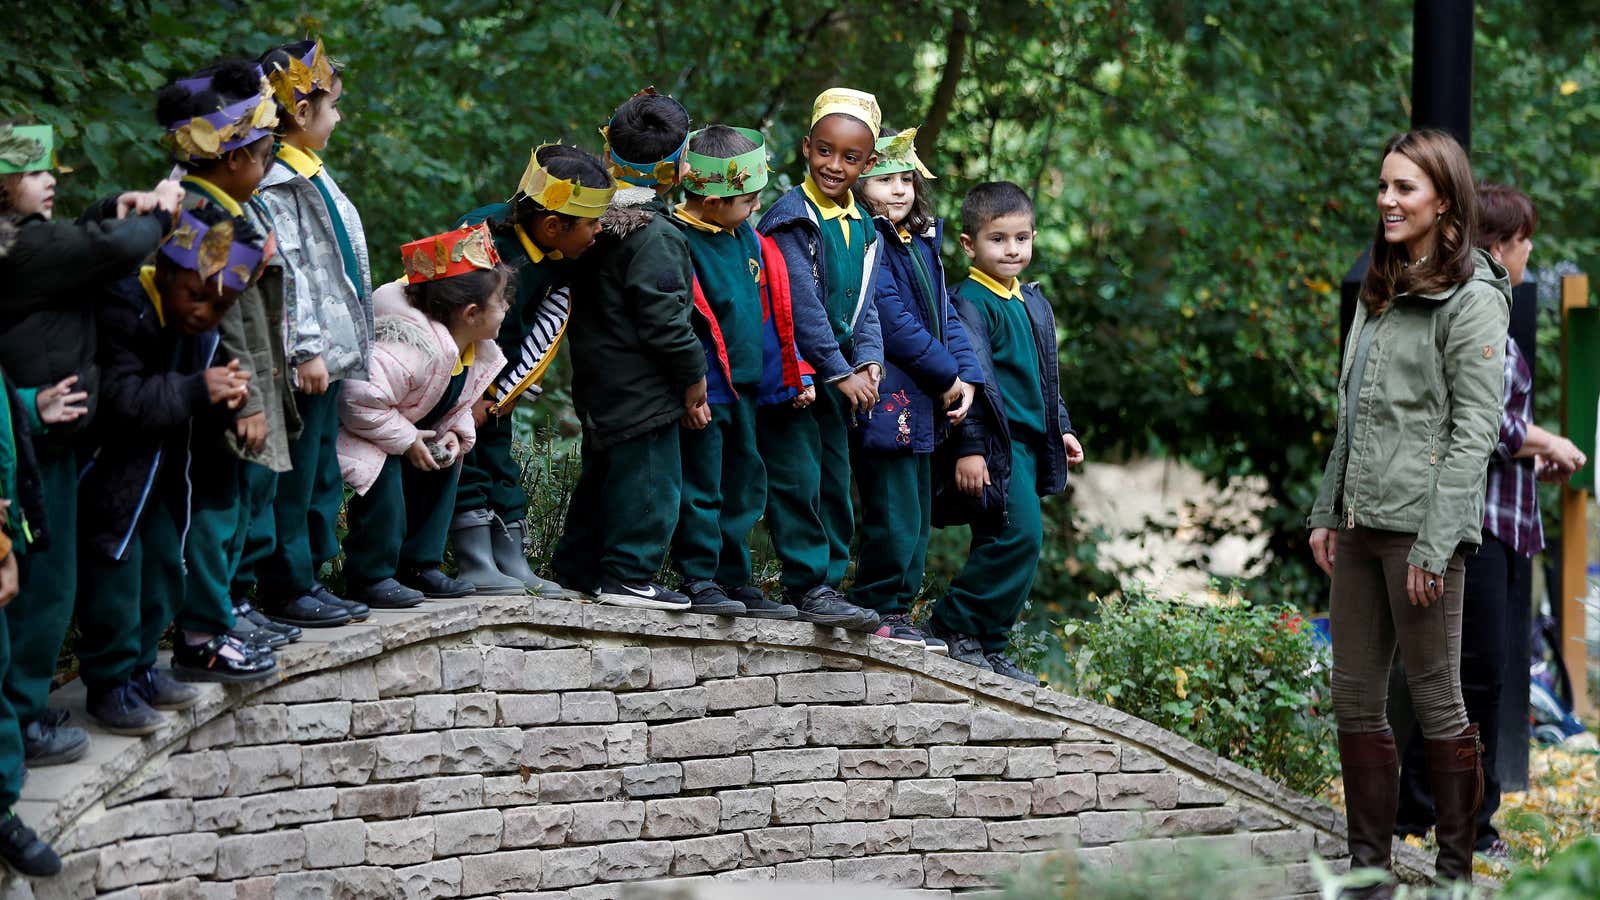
x=26 y=148
x=898 y=153
x=727 y=176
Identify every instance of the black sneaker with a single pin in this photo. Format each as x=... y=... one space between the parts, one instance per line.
x=966 y=649
x=123 y=710
x=208 y=662
x=246 y=632
x=162 y=691
x=50 y=741
x=641 y=595
x=757 y=606
x=358 y=610
x=306 y=611
x=385 y=594
x=897 y=627
x=824 y=605
x=1000 y=664
x=244 y=610
x=708 y=597
x=436 y=584
x=24 y=851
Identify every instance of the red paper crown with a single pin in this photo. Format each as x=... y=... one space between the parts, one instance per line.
x=455 y=252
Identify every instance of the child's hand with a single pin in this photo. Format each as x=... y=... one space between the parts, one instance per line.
x=449 y=447
x=58 y=403
x=958 y=400
x=972 y=475
x=252 y=431
x=8 y=578
x=806 y=397
x=696 y=411
x=874 y=374
x=419 y=455
x=168 y=196
x=858 y=389
x=480 y=411
x=1074 y=449
x=313 y=376
x=228 y=385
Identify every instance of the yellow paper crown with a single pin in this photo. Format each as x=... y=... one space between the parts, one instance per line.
x=858 y=105
x=559 y=195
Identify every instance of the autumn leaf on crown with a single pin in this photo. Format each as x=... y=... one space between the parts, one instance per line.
x=215 y=247
x=900 y=144
x=17 y=150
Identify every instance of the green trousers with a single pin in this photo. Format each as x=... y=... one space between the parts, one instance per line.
x=11 y=755
x=623 y=511
x=896 y=520
x=255 y=544
x=490 y=478
x=787 y=438
x=402 y=521
x=218 y=527
x=38 y=618
x=987 y=595
x=125 y=606
x=724 y=489
x=833 y=416
x=307 y=503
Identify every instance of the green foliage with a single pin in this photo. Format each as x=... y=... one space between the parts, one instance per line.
x=1246 y=682
x=1572 y=874
x=1139 y=873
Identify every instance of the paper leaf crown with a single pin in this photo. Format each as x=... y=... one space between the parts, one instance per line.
x=661 y=173
x=214 y=134
x=214 y=252
x=728 y=176
x=307 y=74
x=559 y=195
x=455 y=252
x=858 y=105
x=26 y=148
x=899 y=154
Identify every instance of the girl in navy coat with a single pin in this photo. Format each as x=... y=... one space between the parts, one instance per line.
x=927 y=387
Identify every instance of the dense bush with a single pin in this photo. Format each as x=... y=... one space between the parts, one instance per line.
x=1247 y=682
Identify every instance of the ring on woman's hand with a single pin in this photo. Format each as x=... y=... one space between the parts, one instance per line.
x=1432 y=584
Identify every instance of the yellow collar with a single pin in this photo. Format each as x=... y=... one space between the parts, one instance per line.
x=147 y=280
x=305 y=163
x=216 y=193
x=697 y=223
x=465 y=360
x=905 y=236
x=829 y=209
x=532 y=249
x=1004 y=292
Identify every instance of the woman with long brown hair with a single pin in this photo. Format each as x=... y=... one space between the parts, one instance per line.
x=1402 y=496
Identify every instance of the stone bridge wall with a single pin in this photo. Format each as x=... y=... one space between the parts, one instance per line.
x=527 y=748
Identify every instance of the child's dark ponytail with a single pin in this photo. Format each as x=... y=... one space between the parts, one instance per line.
x=443 y=300
x=561 y=161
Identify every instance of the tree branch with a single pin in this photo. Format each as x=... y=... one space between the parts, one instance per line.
x=955 y=50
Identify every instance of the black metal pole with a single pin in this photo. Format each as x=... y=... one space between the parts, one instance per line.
x=1441 y=67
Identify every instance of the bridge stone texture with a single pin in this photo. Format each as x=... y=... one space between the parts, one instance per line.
x=527 y=748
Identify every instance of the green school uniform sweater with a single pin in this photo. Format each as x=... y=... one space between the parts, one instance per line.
x=728 y=265
x=1014 y=351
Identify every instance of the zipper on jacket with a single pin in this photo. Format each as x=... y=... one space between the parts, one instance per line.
x=1350 y=517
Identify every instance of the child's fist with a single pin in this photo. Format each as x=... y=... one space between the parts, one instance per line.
x=419 y=454
x=1074 y=449
x=312 y=376
x=858 y=389
x=227 y=385
x=972 y=475
x=958 y=401
x=806 y=397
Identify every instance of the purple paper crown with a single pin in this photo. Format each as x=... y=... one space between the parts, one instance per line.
x=212 y=251
x=210 y=135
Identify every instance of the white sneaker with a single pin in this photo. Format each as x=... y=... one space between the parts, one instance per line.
x=641 y=595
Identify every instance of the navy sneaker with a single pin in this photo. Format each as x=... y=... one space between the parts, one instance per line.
x=708 y=597
x=50 y=741
x=24 y=851
x=162 y=691
x=244 y=610
x=897 y=627
x=824 y=605
x=435 y=584
x=1001 y=664
x=386 y=594
x=358 y=610
x=757 y=606
x=123 y=710
x=306 y=611
x=965 y=648
x=641 y=595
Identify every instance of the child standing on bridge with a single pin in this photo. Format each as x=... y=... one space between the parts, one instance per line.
x=1018 y=440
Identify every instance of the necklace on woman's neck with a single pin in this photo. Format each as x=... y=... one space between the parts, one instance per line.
x=1415 y=262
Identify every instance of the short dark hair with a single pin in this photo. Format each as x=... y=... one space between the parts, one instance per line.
x=232 y=80
x=441 y=300
x=647 y=128
x=1504 y=214
x=720 y=140
x=990 y=201
x=921 y=217
x=562 y=161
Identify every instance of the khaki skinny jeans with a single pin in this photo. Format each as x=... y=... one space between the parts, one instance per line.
x=1370 y=615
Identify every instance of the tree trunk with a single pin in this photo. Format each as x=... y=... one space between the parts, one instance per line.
x=955 y=52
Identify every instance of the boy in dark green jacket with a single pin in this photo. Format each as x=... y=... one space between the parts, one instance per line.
x=637 y=370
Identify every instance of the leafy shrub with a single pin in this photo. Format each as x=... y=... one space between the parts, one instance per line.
x=1140 y=873
x=1244 y=681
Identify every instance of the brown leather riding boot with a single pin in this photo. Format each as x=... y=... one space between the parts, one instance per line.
x=1371 y=768
x=1455 y=772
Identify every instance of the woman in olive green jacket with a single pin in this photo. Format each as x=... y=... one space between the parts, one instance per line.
x=1402 y=496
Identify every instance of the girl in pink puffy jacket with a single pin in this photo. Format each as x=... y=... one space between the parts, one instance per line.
x=403 y=432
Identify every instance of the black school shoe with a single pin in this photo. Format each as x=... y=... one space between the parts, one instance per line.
x=640 y=595
x=358 y=610
x=1000 y=664
x=50 y=741
x=385 y=594
x=207 y=662
x=757 y=606
x=123 y=710
x=897 y=627
x=824 y=605
x=964 y=648
x=708 y=597
x=436 y=584
x=248 y=632
x=24 y=851
x=306 y=611
x=243 y=610
x=162 y=691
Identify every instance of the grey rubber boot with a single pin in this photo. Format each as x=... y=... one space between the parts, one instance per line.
x=470 y=536
x=511 y=558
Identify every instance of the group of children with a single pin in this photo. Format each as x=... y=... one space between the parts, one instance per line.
x=196 y=372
